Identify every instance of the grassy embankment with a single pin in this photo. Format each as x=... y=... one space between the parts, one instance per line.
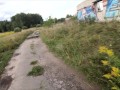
x=91 y=48
x=9 y=41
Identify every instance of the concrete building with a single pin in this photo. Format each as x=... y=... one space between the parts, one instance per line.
x=100 y=10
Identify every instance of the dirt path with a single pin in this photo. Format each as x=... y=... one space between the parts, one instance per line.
x=57 y=75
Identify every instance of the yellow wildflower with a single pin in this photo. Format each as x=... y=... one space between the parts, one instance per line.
x=102 y=49
x=115 y=69
x=110 y=53
x=108 y=76
x=105 y=62
x=114 y=88
x=115 y=72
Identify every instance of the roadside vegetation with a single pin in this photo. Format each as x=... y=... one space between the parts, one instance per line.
x=93 y=48
x=8 y=43
x=36 y=71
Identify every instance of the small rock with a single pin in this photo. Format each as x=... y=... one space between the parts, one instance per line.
x=61 y=82
x=55 y=80
x=68 y=84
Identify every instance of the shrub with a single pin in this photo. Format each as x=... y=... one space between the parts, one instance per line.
x=24 y=27
x=17 y=29
x=38 y=25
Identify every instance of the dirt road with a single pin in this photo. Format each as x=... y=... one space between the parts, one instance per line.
x=57 y=75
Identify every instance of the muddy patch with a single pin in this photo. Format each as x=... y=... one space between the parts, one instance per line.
x=5 y=82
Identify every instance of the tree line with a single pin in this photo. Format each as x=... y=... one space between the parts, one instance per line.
x=24 y=21
x=21 y=20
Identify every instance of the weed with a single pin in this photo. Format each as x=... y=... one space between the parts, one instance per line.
x=36 y=71
x=34 y=62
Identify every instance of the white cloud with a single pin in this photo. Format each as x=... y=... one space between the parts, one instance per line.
x=46 y=8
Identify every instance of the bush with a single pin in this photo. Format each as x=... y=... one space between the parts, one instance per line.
x=24 y=27
x=17 y=29
x=38 y=25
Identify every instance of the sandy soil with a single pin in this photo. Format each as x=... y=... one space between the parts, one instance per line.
x=57 y=75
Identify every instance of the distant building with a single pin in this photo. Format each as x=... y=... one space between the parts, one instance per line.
x=100 y=10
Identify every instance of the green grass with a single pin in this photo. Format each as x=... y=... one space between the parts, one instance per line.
x=36 y=71
x=7 y=46
x=4 y=59
x=77 y=44
x=34 y=62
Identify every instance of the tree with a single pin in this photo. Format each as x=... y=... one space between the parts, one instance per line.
x=68 y=16
x=27 y=20
x=5 y=26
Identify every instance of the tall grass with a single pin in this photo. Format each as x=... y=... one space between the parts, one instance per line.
x=7 y=46
x=6 y=34
x=78 y=43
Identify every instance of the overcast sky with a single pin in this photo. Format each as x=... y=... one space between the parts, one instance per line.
x=46 y=8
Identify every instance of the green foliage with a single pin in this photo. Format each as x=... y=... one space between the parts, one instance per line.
x=24 y=27
x=110 y=67
x=77 y=43
x=68 y=16
x=4 y=59
x=49 y=22
x=60 y=20
x=17 y=29
x=5 y=26
x=22 y=19
x=36 y=71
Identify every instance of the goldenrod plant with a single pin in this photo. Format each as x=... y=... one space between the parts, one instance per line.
x=112 y=76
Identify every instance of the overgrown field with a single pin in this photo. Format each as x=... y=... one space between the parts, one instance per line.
x=91 y=48
x=6 y=34
x=8 y=44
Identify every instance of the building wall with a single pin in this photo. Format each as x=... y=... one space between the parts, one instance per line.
x=110 y=11
x=84 y=4
x=113 y=10
x=99 y=15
